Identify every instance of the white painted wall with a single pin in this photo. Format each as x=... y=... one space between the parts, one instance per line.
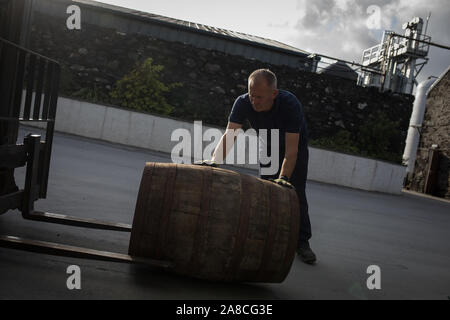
x=154 y=132
x=355 y=172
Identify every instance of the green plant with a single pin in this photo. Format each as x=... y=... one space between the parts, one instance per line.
x=378 y=138
x=95 y=94
x=342 y=141
x=142 y=89
x=67 y=82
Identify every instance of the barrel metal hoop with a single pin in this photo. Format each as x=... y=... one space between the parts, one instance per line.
x=242 y=234
x=168 y=204
x=270 y=239
x=293 y=237
x=143 y=202
x=201 y=229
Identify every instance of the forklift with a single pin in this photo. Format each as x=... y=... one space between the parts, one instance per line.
x=29 y=84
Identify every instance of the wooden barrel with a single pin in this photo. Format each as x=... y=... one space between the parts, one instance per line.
x=215 y=224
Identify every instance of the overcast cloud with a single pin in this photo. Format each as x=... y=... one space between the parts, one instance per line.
x=340 y=28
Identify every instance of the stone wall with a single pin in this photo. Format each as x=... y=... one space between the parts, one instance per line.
x=94 y=58
x=435 y=131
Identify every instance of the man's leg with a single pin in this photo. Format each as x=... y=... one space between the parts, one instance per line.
x=298 y=179
x=305 y=224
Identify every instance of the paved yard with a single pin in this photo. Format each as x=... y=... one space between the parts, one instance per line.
x=407 y=236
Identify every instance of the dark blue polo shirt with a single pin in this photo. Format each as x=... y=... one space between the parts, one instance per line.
x=285 y=115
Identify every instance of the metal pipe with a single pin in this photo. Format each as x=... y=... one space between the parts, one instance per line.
x=426 y=26
x=353 y=63
x=415 y=123
x=423 y=41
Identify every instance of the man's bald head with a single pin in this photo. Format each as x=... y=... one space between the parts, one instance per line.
x=263 y=75
x=262 y=89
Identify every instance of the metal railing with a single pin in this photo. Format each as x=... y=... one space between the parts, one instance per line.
x=371 y=55
x=398 y=45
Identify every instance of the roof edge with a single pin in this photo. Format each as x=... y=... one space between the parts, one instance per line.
x=140 y=16
x=437 y=80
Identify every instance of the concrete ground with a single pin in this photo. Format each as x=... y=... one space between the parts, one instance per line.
x=407 y=236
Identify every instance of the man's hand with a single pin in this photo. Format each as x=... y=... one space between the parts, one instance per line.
x=283 y=181
x=209 y=163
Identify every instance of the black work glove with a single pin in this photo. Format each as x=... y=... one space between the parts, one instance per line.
x=283 y=181
x=208 y=163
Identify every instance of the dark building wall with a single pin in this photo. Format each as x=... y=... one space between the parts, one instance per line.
x=435 y=131
x=95 y=57
x=130 y=21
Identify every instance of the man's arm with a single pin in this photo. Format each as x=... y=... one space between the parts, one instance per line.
x=226 y=142
x=290 y=156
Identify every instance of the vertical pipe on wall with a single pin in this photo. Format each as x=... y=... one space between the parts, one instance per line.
x=412 y=140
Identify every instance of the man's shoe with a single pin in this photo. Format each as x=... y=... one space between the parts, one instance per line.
x=306 y=254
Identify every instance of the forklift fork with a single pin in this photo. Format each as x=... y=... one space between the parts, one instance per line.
x=31 y=193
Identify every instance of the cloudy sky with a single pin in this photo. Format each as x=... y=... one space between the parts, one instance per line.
x=337 y=28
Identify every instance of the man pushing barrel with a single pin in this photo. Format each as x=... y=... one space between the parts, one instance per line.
x=266 y=107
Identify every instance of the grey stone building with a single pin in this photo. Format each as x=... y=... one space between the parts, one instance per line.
x=431 y=173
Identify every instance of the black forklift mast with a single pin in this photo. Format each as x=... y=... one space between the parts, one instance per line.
x=29 y=84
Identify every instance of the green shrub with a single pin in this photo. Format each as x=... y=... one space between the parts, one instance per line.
x=378 y=138
x=342 y=141
x=95 y=94
x=142 y=89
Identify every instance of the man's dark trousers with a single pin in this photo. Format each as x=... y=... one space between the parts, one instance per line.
x=298 y=180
